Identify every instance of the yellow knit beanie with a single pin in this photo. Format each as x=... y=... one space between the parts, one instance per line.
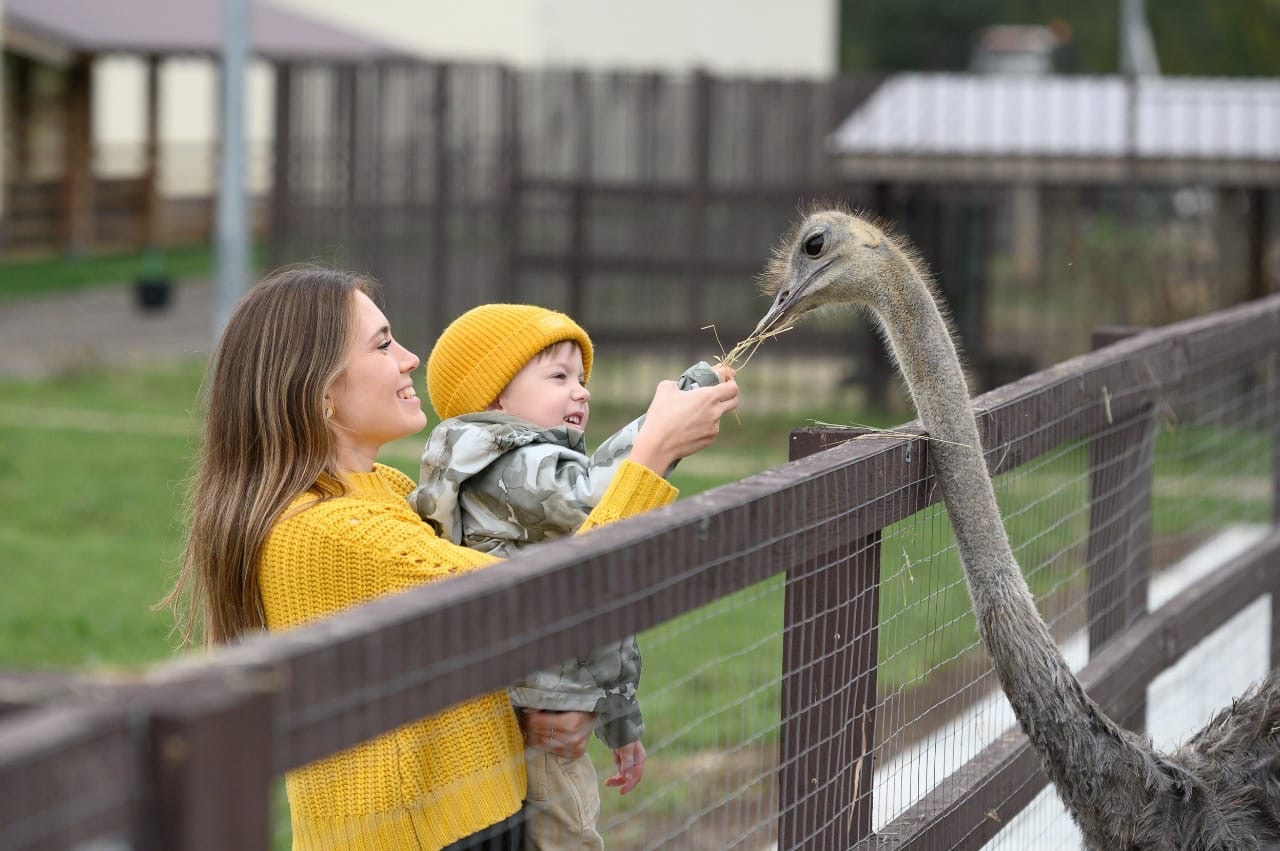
x=482 y=350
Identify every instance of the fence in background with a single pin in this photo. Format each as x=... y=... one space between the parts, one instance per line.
x=812 y=667
x=645 y=204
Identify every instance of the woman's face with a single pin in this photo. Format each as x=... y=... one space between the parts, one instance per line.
x=373 y=399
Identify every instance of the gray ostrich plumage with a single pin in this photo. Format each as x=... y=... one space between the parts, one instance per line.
x=1219 y=790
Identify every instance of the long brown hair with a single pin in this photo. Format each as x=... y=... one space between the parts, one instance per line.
x=266 y=440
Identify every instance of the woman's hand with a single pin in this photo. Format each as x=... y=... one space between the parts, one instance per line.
x=681 y=422
x=564 y=734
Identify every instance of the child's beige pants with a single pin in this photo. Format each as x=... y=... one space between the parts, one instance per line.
x=563 y=803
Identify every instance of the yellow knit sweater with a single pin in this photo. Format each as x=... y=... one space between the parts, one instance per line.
x=433 y=781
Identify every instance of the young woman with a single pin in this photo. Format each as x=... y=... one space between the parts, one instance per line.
x=292 y=519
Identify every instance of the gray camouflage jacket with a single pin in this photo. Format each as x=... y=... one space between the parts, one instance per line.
x=497 y=483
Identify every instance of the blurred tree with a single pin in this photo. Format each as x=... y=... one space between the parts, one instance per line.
x=1238 y=38
x=1202 y=37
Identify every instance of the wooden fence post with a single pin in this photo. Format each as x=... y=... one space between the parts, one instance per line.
x=79 y=178
x=1120 y=463
x=830 y=645
x=346 y=126
x=443 y=200
x=208 y=763
x=699 y=197
x=510 y=177
x=281 y=166
x=579 y=222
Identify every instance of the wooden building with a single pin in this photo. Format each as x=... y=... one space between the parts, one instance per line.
x=53 y=199
x=1029 y=134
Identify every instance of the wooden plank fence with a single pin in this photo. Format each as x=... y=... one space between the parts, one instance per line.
x=183 y=758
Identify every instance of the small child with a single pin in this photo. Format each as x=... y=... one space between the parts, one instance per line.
x=507 y=468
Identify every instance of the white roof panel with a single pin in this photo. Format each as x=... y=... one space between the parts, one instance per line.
x=971 y=115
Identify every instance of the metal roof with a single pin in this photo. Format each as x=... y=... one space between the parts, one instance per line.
x=170 y=27
x=1058 y=126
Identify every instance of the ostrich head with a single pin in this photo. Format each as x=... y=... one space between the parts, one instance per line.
x=831 y=256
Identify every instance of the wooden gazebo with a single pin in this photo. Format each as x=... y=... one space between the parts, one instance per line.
x=73 y=209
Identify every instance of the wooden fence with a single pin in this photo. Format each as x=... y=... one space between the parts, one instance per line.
x=184 y=757
x=645 y=204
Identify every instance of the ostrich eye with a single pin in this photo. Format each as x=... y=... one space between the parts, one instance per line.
x=813 y=245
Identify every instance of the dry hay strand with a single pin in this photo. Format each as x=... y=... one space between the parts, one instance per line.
x=738 y=357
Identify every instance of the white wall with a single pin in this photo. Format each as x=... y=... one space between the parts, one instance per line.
x=188 y=120
x=726 y=37
x=737 y=37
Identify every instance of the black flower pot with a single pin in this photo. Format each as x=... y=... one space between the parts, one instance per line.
x=153 y=294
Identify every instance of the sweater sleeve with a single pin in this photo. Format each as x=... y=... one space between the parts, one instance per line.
x=634 y=490
x=343 y=552
x=335 y=554
x=618 y=445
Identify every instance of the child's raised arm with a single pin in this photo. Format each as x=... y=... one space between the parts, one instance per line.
x=681 y=423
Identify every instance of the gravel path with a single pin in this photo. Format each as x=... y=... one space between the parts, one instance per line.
x=102 y=327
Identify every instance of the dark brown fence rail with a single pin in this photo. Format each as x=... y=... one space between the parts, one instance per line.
x=184 y=758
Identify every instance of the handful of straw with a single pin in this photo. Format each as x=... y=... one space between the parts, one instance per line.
x=737 y=357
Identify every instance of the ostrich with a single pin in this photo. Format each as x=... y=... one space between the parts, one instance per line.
x=1221 y=789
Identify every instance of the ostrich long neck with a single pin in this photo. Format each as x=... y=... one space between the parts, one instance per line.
x=1081 y=749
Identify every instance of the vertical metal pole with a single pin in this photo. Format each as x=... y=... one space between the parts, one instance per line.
x=232 y=225
x=151 y=147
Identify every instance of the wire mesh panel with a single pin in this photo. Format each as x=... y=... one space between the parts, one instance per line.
x=812 y=671
x=813 y=675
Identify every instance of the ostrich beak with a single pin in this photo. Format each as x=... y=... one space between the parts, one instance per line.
x=789 y=304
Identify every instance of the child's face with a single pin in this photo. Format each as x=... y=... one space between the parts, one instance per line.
x=550 y=390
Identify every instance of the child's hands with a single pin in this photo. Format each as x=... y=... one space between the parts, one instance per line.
x=681 y=422
x=725 y=372
x=630 y=762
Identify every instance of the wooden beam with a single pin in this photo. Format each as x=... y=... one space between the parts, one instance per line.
x=830 y=644
x=1259 y=237
x=691 y=553
x=281 y=184
x=68 y=777
x=208 y=771
x=78 y=176
x=20 y=132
